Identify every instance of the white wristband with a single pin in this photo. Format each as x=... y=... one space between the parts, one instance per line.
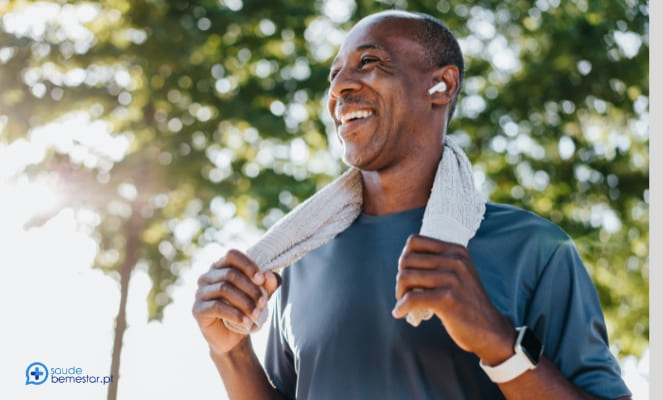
x=521 y=362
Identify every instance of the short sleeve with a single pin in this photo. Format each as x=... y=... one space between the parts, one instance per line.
x=279 y=363
x=566 y=314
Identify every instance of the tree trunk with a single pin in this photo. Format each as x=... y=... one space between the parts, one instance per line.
x=130 y=259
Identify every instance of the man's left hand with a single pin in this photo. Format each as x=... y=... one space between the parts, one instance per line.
x=441 y=277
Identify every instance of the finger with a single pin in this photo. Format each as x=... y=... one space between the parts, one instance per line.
x=409 y=279
x=424 y=244
x=419 y=299
x=241 y=261
x=272 y=282
x=217 y=309
x=430 y=261
x=237 y=278
x=226 y=291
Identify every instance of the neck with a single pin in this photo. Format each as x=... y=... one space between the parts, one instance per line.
x=399 y=188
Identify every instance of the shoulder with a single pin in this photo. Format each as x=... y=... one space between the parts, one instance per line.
x=519 y=244
x=504 y=222
x=521 y=256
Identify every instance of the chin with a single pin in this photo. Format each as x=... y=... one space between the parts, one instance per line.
x=364 y=156
x=352 y=161
x=352 y=158
x=360 y=161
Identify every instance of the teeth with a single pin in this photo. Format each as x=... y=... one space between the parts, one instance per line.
x=355 y=115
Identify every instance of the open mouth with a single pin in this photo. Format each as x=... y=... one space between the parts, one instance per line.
x=351 y=116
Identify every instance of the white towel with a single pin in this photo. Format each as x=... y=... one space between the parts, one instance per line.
x=453 y=213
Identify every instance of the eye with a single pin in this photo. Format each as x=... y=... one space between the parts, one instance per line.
x=333 y=74
x=367 y=60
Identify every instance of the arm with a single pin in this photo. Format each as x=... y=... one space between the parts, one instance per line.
x=545 y=382
x=453 y=291
x=231 y=290
x=242 y=373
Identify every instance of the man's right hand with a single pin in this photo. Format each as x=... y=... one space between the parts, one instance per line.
x=231 y=290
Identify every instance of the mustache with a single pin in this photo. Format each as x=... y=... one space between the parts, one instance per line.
x=350 y=99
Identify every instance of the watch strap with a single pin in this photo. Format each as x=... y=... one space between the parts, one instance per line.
x=513 y=367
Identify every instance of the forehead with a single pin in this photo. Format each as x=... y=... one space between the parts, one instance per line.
x=391 y=34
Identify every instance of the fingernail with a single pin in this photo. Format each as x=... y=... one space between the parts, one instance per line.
x=256 y=313
x=262 y=302
x=259 y=278
x=245 y=321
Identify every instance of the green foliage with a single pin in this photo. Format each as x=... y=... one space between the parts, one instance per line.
x=222 y=103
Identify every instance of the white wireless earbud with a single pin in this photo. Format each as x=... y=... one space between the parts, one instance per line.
x=439 y=87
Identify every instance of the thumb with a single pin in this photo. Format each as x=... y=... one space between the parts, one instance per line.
x=272 y=282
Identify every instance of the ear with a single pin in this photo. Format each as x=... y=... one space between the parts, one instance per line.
x=450 y=76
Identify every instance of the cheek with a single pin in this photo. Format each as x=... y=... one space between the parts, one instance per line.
x=331 y=104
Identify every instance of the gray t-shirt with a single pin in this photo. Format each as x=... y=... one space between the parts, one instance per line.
x=333 y=337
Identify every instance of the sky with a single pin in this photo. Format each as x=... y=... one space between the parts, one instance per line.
x=59 y=311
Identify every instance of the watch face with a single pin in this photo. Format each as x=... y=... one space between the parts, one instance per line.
x=531 y=346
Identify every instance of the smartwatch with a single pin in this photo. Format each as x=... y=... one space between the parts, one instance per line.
x=528 y=349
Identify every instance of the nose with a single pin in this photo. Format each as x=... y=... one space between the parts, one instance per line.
x=346 y=80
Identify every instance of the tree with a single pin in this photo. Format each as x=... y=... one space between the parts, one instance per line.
x=210 y=110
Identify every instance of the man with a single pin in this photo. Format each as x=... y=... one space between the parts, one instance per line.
x=338 y=328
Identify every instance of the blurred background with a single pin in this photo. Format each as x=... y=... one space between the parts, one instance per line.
x=140 y=140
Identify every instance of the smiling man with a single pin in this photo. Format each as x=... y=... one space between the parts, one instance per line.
x=515 y=314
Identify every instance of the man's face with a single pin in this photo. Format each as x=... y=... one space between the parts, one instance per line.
x=378 y=94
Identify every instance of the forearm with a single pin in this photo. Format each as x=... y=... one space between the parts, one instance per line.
x=243 y=375
x=544 y=382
